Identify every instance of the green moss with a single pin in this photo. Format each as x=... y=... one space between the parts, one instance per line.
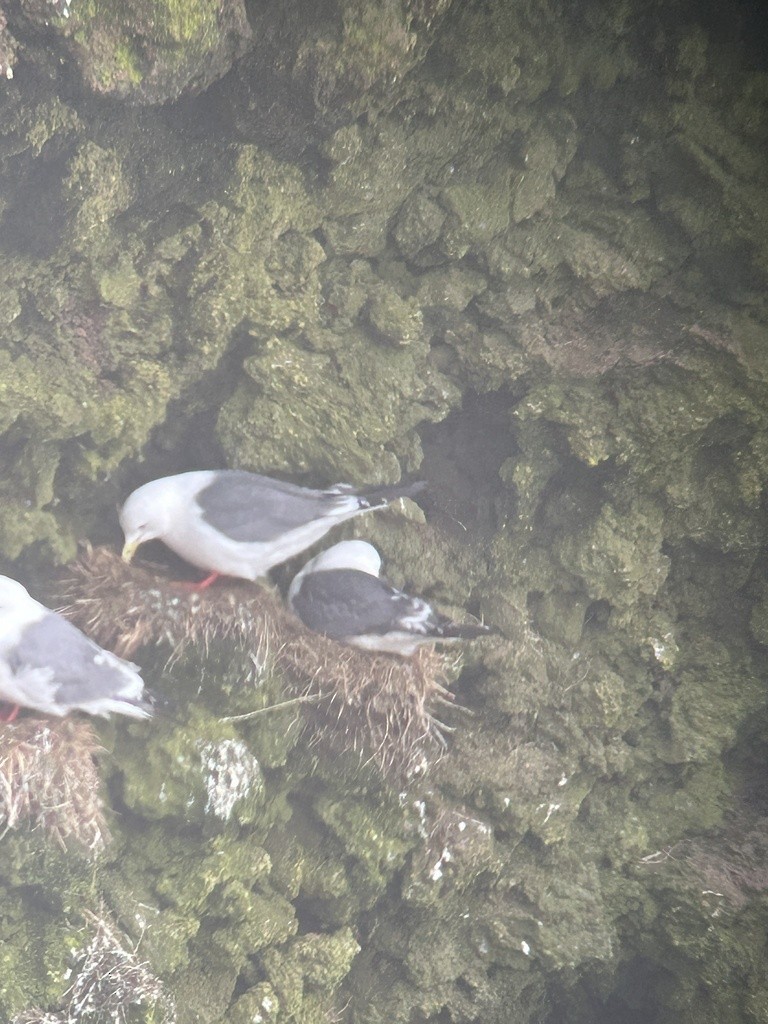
x=620 y=555
x=205 y=990
x=117 y=44
x=259 y=1005
x=216 y=903
x=50 y=119
x=195 y=771
x=488 y=236
x=419 y=223
x=374 y=397
x=41 y=923
x=96 y=190
x=372 y=836
x=309 y=970
x=183 y=22
x=398 y=321
x=716 y=687
x=125 y=61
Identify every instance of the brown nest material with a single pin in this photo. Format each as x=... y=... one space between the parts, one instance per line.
x=127 y=607
x=379 y=705
x=110 y=981
x=49 y=780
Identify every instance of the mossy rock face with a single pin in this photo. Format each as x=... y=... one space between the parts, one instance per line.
x=42 y=923
x=278 y=415
x=524 y=256
x=194 y=772
x=313 y=69
x=306 y=974
x=152 y=53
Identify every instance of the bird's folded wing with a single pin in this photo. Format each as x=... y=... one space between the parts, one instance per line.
x=253 y=509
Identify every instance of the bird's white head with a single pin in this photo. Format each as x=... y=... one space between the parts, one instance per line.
x=146 y=514
x=349 y=554
x=13 y=594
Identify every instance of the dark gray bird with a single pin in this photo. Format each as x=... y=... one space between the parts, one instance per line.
x=47 y=664
x=340 y=593
x=232 y=523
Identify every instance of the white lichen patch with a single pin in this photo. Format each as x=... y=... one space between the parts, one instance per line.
x=665 y=649
x=61 y=7
x=231 y=774
x=267 y=1005
x=437 y=869
x=552 y=809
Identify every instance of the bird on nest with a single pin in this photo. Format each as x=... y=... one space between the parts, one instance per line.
x=234 y=523
x=341 y=594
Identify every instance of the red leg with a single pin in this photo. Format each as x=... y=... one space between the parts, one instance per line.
x=204 y=584
x=201 y=585
x=9 y=716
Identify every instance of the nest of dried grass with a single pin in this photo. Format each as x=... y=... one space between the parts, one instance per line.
x=110 y=981
x=127 y=607
x=49 y=780
x=379 y=705
x=383 y=707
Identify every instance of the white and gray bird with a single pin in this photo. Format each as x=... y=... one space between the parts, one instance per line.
x=340 y=593
x=232 y=523
x=47 y=664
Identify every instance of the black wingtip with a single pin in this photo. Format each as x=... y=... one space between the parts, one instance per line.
x=391 y=492
x=466 y=630
x=162 y=706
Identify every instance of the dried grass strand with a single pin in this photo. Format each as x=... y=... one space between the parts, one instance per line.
x=49 y=779
x=109 y=982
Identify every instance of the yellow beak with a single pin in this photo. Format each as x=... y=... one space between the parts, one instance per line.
x=129 y=549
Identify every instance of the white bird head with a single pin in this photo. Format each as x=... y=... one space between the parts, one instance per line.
x=348 y=554
x=146 y=514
